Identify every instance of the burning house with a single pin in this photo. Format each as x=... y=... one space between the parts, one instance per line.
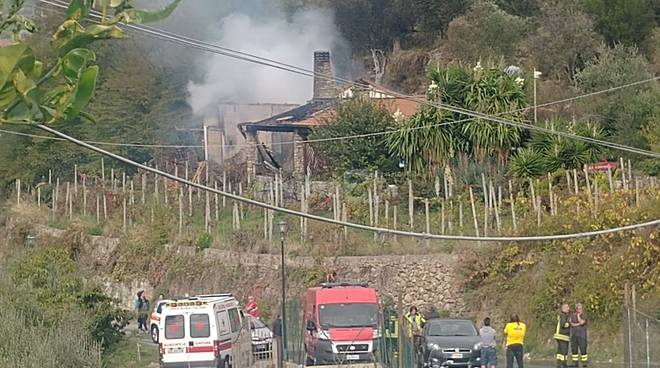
x=279 y=141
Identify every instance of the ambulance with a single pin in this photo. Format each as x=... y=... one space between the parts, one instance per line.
x=202 y=332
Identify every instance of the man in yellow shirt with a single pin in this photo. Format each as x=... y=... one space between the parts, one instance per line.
x=514 y=338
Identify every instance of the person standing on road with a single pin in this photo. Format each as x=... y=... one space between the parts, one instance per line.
x=277 y=338
x=144 y=313
x=579 y=337
x=562 y=335
x=138 y=307
x=514 y=339
x=415 y=325
x=488 y=345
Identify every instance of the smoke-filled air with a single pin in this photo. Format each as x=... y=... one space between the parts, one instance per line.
x=291 y=40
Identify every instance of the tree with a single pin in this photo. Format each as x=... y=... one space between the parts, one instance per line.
x=624 y=21
x=623 y=113
x=485 y=31
x=355 y=117
x=433 y=17
x=66 y=88
x=564 y=40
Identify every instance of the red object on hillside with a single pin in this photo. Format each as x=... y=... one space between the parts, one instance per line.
x=602 y=166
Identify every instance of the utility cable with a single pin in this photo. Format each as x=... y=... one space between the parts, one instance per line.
x=343 y=223
x=269 y=62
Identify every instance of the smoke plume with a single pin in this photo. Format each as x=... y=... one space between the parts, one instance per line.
x=291 y=39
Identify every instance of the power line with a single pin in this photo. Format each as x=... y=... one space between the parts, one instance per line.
x=186 y=41
x=343 y=223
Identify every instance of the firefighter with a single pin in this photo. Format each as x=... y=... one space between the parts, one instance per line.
x=562 y=335
x=415 y=325
x=579 y=337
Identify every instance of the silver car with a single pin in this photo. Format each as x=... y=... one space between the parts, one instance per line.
x=262 y=338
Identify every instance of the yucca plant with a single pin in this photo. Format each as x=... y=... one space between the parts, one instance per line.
x=528 y=163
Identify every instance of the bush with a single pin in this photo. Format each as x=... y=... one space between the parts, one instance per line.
x=204 y=241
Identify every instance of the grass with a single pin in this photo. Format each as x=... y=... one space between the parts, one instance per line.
x=128 y=355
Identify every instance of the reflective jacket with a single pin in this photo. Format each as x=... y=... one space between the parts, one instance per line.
x=563 y=331
x=415 y=324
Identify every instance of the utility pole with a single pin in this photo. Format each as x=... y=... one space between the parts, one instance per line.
x=537 y=75
x=283 y=227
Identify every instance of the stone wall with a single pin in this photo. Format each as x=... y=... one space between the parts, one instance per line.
x=410 y=280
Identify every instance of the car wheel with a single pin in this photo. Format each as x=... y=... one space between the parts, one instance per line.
x=155 y=334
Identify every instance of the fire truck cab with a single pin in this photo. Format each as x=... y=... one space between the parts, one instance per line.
x=342 y=323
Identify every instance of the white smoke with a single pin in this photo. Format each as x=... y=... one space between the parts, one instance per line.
x=292 y=41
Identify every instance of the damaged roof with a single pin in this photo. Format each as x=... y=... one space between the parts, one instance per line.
x=317 y=112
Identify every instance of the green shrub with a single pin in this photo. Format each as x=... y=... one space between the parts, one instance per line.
x=204 y=241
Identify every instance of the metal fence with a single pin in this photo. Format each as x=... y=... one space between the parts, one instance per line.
x=394 y=349
x=642 y=337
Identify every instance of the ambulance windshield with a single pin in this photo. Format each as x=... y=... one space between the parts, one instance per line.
x=348 y=315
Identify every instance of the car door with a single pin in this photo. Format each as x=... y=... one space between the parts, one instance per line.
x=174 y=338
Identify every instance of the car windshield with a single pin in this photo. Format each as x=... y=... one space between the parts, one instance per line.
x=452 y=328
x=348 y=315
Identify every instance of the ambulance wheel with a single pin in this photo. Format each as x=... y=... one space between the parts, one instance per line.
x=309 y=362
x=224 y=363
x=155 y=334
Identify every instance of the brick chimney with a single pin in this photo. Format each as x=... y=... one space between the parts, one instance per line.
x=324 y=88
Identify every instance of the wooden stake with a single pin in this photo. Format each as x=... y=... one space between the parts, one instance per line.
x=102 y=170
x=143 y=187
x=596 y=198
x=240 y=204
x=623 y=174
x=460 y=216
x=387 y=213
x=437 y=186
x=636 y=191
x=497 y=212
x=450 y=222
x=538 y=212
x=531 y=188
x=609 y=179
x=224 y=188
x=513 y=206
x=568 y=182
x=394 y=220
x=18 y=192
x=54 y=203
x=75 y=178
x=575 y=182
x=105 y=207
x=550 y=195
x=344 y=217
x=132 y=194
x=426 y=212
x=84 y=189
x=123 y=207
x=587 y=183
x=629 y=172
x=98 y=208
x=112 y=179
x=66 y=200
x=217 y=207
x=38 y=197
x=190 y=200
x=371 y=207
x=442 y=218
x=411 y=205
x=474 y=213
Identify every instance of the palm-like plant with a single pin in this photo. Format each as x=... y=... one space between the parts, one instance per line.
x=489 y=91
x=528 y=163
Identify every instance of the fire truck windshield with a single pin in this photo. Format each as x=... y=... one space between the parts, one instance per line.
x=348 y=315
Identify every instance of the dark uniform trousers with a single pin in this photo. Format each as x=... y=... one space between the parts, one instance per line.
x=579 y=349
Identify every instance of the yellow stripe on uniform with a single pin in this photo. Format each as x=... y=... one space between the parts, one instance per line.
x=561 y=357
x=585 y=358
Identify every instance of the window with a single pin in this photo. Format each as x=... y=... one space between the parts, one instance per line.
x=348 y=315
x=199 y=325
x=234 y=320
x=223 y=323
x=174 y=328
x=159 y=307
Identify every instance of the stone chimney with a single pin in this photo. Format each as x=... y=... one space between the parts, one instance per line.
x=324 y=87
